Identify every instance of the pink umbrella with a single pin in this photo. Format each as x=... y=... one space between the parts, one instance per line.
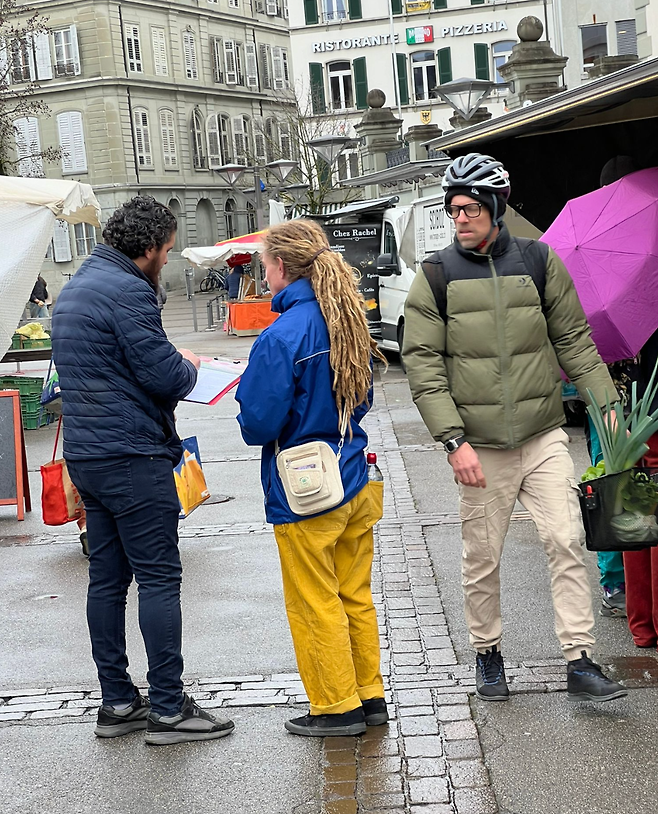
x=608 y=240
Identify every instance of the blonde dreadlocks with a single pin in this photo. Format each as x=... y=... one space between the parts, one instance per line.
x=304 y=250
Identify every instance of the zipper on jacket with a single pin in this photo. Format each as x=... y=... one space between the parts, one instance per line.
x=504 y=356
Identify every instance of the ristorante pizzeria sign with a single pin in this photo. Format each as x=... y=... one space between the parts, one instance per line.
x=346 y=43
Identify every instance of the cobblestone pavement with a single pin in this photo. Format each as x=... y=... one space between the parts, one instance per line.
x=428 y=759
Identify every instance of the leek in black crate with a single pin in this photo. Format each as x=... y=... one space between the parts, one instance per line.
x=618 y=498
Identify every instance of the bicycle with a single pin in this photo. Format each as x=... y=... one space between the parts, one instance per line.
x=213 y=281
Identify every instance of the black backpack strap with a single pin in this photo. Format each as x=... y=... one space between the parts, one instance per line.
x=434 y=272
x=535 y=257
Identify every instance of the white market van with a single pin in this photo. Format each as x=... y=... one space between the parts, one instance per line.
x=387 y=243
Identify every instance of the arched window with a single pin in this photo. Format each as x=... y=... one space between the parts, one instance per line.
x=225 y=138
x=212 y=140
x=206 y=223
x=271 y=140
x=251 y=218
x=196 y=135
x=242 y=140
x=229 y=217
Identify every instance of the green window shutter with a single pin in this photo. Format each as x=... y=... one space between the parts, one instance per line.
x=477 y=2
x=397 y=6
x=440 y=4
x=311 y=11
x=481 y=61
x=354 y=9
x=318 y=103
x=445 y=65
x=403 y=80
x=360 y=83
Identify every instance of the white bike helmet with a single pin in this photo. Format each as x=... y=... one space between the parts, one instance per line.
x=478 y=171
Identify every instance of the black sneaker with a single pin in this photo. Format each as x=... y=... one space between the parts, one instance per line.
x=490 y=681
x=84 y=543
x=191 y=724
x=111 y=723
x=328 y=726
x=375 y=711
x=586 y=682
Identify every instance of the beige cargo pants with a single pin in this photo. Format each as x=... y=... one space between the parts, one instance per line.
x=541 y=475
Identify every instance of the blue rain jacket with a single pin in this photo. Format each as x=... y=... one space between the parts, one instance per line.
x=119 y=375
x=286 y=393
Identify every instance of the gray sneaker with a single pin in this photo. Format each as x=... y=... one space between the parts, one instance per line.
x=613 y=603
x=112 y=723
x=191 y=724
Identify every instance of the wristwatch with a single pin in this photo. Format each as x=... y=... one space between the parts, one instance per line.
x=453 y=444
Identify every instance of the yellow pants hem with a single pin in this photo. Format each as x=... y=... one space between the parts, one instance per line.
x=353 y=702
x=372 y=691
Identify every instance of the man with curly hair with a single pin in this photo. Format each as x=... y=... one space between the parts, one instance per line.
x=120 y=379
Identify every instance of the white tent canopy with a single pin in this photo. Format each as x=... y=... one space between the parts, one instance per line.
x=208 y=257
x=28 y=208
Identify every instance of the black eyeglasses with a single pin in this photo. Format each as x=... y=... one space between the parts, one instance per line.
x=471 y=210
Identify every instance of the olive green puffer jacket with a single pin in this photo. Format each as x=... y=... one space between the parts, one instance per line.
x=491 y=369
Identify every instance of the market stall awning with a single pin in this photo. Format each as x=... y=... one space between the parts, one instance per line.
x=555 y=149
x=68 y=200
x=207 y=257
x=28 y=208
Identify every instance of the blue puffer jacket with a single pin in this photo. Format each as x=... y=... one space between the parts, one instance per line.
x=286 y=393
x=120 y=376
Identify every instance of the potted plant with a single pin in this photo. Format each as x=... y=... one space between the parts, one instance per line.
x=624 y=497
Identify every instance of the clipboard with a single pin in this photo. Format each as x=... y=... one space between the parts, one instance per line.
x=216 y=378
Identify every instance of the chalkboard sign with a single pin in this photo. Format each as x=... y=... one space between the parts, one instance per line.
x=14 y=484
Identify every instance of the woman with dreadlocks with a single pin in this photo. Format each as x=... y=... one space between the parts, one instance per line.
x=309 y=379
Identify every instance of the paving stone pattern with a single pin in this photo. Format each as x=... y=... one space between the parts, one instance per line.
x=428 y=759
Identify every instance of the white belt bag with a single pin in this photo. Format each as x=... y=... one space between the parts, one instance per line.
x=310 y=474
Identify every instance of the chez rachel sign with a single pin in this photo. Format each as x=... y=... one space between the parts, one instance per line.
x=385 y=39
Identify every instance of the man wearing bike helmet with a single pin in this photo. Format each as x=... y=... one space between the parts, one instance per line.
x=488 y=324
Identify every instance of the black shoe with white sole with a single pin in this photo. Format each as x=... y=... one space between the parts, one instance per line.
x=191 y=724
x=112 y=723
x=586 y=682
x=329 y=726
x=490 y=681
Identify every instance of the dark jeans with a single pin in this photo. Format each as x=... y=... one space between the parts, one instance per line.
x=132 y=523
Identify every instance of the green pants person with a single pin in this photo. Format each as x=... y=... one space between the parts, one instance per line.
x=611 y=563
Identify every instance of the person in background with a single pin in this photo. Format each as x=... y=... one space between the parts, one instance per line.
x=234 y=279
x=38 y=297
x=611 y=563
x=641 y=567
x=309 y=378
x=120 y=380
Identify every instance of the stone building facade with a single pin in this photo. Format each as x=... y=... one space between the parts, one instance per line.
x=149 y=97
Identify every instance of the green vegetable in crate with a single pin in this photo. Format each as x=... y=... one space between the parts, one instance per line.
x=593 y=472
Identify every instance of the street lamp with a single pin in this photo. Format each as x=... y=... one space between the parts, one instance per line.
x=329 y=147
x=466 y=95
x=281 y=169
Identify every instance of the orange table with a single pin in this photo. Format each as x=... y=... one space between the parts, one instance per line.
x=249 y=317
